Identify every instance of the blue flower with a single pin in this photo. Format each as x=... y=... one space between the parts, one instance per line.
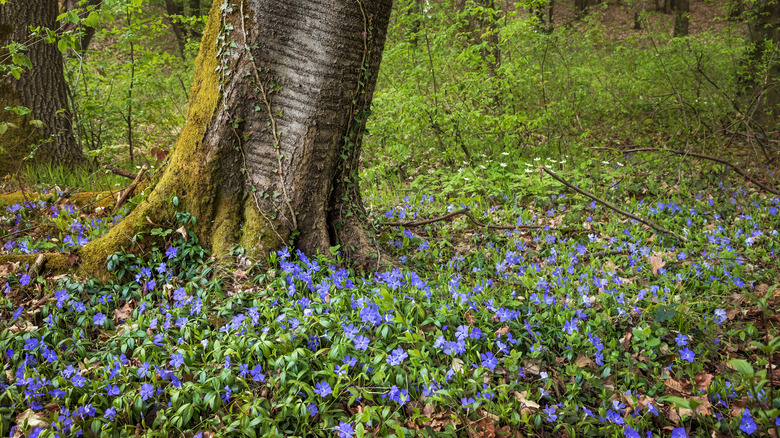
x=629 y=432
x=489 y=360
x=720 y=316
x=109 y=413
x=177 y=360
x=397 y=357
x=171 y=252
x=99 y=319
x=679 y=432
x=323 y=389
x=361 y=342
x=550 y=411
x=257 y=375
x=146 y=392
x=113 y=390
x=312 y=409
x=747 y=424
x=687 y=354
x=345 y=430
x=18 y=312
x=681 y=340
x=25 y=280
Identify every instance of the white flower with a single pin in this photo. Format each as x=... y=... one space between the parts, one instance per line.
x=537 y=159
x=503 y=164
x=529 y=171
x=504 y=153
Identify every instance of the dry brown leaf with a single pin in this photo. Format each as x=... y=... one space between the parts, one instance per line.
x=470 y=318
x=583 y=361
x=183 y=231
x=8 y=268
x=503 y=330
x=702 y=409
x=124 y=312
x=457 y=365
x=678 y=386
x=521 y=397
x=657 y=263
x=703 y=381
x=33 y=420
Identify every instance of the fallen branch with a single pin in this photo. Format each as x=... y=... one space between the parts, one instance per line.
x=610 y=206
x=608 y=253
x=704 y=157
x=126 y=193
x=120 y=172
x=33 y=271
x=465 y=212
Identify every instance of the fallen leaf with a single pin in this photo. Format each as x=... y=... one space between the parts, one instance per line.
x=657 y=263
x=183 y=231
x=503 y=330
x=125 y=311
x=678 y=386
x=470 y=318
x=583 y=361
x=703 y=381
x=32 y=419
x=521 y=397
x=457 y=365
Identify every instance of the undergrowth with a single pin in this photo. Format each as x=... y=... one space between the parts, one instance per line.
x=593 y=325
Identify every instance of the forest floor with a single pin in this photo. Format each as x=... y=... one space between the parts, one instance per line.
x=581 y=321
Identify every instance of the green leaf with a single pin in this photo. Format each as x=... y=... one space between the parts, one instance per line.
x=92 y=20
x=3 y=128
x=62 y=45
x=742 y=366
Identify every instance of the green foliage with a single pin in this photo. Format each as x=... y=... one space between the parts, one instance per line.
x=463 y=89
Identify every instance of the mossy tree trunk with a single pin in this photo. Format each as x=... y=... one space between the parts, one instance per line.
x=41 y=89
x=270 y=150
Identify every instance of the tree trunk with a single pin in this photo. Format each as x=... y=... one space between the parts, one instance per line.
x=762 y=63
x=271 y=147
x=172 y=9
x=87 y=33
x=41 y=89
x=681 y=18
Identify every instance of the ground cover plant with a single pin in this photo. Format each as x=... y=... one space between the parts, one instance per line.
x=592 y=325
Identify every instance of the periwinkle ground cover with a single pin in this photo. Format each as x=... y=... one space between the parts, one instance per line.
x=512 y=331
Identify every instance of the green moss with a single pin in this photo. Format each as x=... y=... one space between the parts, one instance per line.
x=257 y=234
x=54 y=263
x=97 y=199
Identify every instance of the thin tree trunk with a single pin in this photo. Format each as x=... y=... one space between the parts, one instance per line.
x=271 y=148
x=681 y=18
x=42 y=89
x=172 y=9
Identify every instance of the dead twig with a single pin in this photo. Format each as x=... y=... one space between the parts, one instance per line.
x=610 y=206
x=467 y=213
x=120 y=172
x=126 y=193
x=704 y=157
x=33 y=271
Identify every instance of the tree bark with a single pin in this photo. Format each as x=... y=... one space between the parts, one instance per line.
x=681 y=18
x=762 y=63
x=87 y=33
x=271 y=147
x=42 y=89
x=172 y=9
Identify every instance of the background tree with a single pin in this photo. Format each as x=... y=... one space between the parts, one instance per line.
x=271 y=147
x=42 y=90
